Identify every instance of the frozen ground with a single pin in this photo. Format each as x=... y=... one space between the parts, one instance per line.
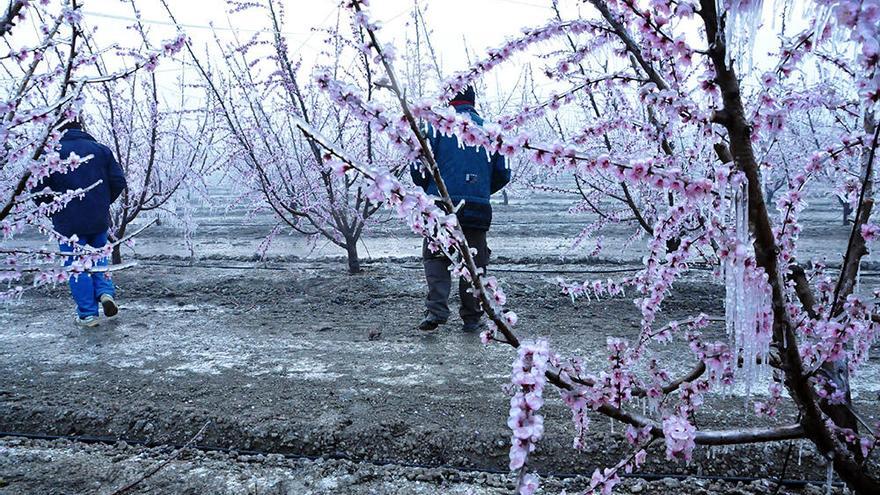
x=35 y=467
x=278 y=358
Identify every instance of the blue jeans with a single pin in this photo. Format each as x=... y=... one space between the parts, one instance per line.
x=87 y=288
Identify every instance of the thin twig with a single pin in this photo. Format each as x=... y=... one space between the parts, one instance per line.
x=164 y=463
x=44 y=252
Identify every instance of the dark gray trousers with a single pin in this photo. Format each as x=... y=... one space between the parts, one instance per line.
x=440 y=280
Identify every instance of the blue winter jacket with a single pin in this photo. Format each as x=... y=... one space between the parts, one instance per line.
x=469 y=173
x=91 y=213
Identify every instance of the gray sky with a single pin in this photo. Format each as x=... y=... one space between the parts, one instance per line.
x=483 y=23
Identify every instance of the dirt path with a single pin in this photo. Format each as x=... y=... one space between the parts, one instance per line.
x=281 y=361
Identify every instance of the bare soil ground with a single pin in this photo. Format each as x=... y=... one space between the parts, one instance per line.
x=278 y=357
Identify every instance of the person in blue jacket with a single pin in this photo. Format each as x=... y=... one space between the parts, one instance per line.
x=471 y=175
x=87 y=217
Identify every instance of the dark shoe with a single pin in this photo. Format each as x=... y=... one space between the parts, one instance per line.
x=472 y=326
x=109 y=305
x=431 y=322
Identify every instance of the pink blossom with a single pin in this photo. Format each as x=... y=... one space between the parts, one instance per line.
x=339 y=167
x=523 y=420
x=679 y=435
x=604 y=480
x=870 y=232
x=638 y=171
x=769 y=79
x=529 y=484
x=511 y=318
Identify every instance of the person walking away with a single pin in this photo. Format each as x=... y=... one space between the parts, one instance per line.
x=472 y=176
x=87 y=217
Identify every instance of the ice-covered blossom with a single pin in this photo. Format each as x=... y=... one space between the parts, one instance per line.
x=171 y=47
x=529 y=484
x=770 y=407
x=678 y=433
x=603 y=481
x=860 y=21
x=870 y=232
x=528 y=379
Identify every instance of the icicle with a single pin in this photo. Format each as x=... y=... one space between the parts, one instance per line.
x=743 y=20
x=776 y=7
x=746 y=297
x=800 y=451
x=829 y=476
x=822 y=16
x=734 y=269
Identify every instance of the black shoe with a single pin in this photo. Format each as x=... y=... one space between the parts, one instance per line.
x=431 y=322
x=472 y=326
x=109 y=306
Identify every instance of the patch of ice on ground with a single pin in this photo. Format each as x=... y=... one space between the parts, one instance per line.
x=211 y=363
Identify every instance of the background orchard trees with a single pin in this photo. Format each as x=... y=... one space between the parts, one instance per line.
x=596 y=111
x=257 y=94
x=47 y=70
x=682 y=73
x=163 y=147
x=163 y=143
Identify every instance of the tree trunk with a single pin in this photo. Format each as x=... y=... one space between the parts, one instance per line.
x=504 y=197
x=769 y=192
x=847 y=209
x=116 y=257
x=354 y=261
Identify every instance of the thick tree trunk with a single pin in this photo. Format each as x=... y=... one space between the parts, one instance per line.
x=354 y=261
x=116 y=257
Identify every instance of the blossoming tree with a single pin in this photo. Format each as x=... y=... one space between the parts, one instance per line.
x=807 y=328
x=164 y=149
x=282 y=169
x=48 y=73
